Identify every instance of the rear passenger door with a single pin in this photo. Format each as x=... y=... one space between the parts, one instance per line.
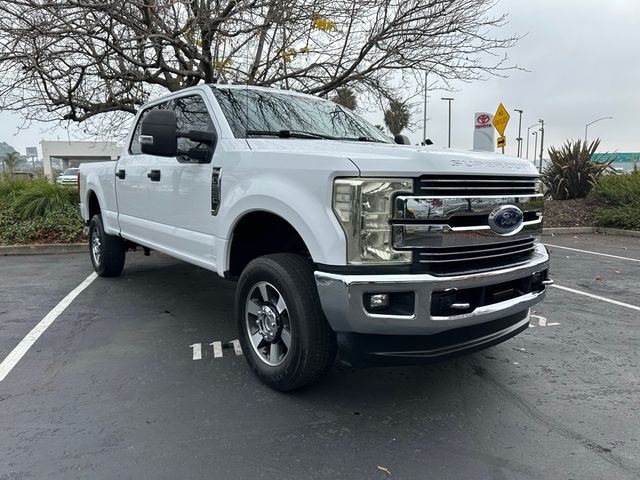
x=169 y=200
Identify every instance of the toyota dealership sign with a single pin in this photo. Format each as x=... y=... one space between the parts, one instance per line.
x=483 y=132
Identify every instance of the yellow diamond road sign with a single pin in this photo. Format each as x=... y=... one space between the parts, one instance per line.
x=500 y=119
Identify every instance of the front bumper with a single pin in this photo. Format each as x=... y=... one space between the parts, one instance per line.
x=366 y=338
x=342 y=297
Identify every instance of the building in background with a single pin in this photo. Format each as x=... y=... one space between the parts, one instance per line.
x=72 y=154
x=623 y=161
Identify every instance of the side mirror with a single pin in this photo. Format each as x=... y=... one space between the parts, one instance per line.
x=402 y=140
x=159 y=133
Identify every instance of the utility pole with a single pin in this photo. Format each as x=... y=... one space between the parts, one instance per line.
x=449 y=99
x=519 y=139
x=541 y=142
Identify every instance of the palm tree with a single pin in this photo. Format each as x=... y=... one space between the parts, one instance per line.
x=11 y=160
x=397 y=116
x=346 y=97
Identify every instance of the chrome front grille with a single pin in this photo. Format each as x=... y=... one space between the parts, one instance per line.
x=456 y=185
x=446 y=222
x=486 y=256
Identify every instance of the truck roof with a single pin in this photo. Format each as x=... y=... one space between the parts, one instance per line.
x=222 y=86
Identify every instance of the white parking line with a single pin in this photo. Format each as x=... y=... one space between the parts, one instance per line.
x=597 y=297
x=25 y=344
x=593 y=253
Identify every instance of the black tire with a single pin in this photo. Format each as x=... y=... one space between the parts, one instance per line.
x=312 y=343
x=107 y=252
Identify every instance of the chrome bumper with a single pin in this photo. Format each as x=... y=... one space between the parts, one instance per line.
x=341 y=297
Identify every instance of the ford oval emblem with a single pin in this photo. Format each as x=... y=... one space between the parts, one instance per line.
x=506 y=220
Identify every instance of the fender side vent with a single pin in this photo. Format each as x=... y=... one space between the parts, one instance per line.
x=215 y=191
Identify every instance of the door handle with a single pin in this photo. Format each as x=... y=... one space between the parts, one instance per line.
x=154 y=175
x=121 y=174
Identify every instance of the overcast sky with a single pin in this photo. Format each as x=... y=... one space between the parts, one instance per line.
x=583 y=62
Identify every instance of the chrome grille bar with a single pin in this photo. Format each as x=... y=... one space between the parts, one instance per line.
x=463 y=184
x=474 y=255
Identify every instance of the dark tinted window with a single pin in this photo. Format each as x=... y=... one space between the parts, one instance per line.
x=134 y=148
x=191 y=114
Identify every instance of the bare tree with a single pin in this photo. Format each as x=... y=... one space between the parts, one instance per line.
x=75 y=59
x=397 y=116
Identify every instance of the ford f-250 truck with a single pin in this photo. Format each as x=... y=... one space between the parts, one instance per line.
x=339 y=238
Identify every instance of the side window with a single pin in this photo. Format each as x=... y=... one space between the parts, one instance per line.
x=191 y=114
x=134 y=148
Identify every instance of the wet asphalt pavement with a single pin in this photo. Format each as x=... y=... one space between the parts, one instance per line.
x=112 y=390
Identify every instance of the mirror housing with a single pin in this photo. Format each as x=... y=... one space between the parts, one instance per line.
x=159 y=133
x=402 y=140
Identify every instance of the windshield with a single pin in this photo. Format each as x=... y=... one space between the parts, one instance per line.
x=265 y=113
x=71 y=171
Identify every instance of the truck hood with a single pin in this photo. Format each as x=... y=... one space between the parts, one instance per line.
x=379 y=159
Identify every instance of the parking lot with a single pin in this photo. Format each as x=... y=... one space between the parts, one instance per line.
x=139 y=378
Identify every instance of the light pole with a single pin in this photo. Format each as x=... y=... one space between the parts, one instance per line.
x=586 y=127
x=449 y=99
x=535 y=148
x=528 y=129
x=519 y=139
x=541 y=142
x=424 y=117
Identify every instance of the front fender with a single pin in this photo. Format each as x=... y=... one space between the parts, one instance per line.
x=307 y=210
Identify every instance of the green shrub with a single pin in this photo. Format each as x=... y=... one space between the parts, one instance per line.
x=571 y=173
x=619 y=196
x=41 y=198
x=64 y=225
x=11 y=187
x=626 y=217
x=621 y=189
x=38 y=212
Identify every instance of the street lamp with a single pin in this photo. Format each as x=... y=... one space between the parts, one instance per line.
x=519 y=139
x=528 y=129
x=535 y=148
x=424 y=115
x=449 y=99
x=541 y=142
x=586 y=127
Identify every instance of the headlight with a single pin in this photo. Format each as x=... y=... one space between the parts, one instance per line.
x=363 y=207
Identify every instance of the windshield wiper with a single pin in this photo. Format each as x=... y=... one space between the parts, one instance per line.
x=289 y=134
x=360 y=139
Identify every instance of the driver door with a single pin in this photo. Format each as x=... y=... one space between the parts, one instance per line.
x=165 y=202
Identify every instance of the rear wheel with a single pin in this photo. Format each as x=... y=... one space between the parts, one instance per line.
x=107 y=252
x=283 y=332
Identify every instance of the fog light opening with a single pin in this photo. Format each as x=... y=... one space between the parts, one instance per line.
x=378 y=301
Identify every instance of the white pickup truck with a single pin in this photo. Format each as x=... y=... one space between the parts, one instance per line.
x=340 y=239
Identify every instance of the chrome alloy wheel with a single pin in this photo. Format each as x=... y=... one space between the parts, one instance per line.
x=268 y=324
x=96 y=246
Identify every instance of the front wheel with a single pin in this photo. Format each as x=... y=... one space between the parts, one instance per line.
x=283 y=332
x=107 y=252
